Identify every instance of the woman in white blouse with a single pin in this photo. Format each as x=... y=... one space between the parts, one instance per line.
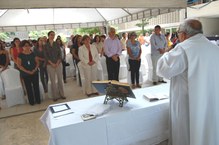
x=99 y=45
x=89 y=56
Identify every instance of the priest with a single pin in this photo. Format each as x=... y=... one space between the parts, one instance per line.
x=193 y=68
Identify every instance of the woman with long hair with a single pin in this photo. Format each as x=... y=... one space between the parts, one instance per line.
x=62 y=48
x=39 y=52
x=4 y=57
x=74 y=51
x=99 y=45
x=15 y=50
x=53 y=57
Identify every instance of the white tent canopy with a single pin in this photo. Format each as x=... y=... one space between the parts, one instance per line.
x=21 y=15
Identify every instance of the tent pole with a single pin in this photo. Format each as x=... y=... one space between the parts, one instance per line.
x=186 y=15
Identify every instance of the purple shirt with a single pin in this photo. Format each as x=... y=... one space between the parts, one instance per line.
x=112 y=47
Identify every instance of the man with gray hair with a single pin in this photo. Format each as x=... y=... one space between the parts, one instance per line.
x=112 y=50
x=193 y=69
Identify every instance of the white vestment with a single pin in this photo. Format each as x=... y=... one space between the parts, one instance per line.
x=193 y=67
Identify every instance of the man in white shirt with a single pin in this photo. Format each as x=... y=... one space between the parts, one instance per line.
x=193 y=69
x=147 y=39
x=123 y=41
x=158 y=45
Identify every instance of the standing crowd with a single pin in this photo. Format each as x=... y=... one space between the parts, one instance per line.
x=46 y=59
x=187 y=58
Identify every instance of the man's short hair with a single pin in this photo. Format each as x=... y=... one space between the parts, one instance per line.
x=157 y=27
x=112 y=29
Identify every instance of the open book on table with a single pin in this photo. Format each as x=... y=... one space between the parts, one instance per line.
x=121 y=87
x=155 y=97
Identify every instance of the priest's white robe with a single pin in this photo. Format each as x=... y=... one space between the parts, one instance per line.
x=193 y=67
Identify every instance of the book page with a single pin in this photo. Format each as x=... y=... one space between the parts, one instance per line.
x=59 y=108
x=154 y=97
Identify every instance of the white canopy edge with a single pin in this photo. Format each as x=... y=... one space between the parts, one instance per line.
x=149 y=13
x=129 y=17
x=50 y=27
x=24 y=4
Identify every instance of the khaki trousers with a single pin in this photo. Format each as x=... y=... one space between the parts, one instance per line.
x=90 y=74
x=154 y=59
x=57 y=91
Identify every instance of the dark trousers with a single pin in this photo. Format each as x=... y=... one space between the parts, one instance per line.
x=64 y=70
x=112 y=68
x=32 y=87
x=134 y=68
x=44 y=77
x=75 y=62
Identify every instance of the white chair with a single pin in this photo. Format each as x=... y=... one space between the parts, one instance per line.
x=11 y=64
x=100 y=75
x=123 y=66
x=149 y=67
x=13 y=89
x=42 y=93
x=122 y=71
x=82 y=77
x=70 y=70
x=2 y=91
x=103 y=64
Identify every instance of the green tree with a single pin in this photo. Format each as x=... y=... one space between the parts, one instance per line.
x=37 y=34
x=83 y=31
x=144 y=22
x=4 y=35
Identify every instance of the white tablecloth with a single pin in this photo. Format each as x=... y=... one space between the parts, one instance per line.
x=138 y=122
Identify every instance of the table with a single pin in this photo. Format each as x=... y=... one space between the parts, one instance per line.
x=138 y=122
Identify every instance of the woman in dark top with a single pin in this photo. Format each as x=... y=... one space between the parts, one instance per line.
x=62 y=48
x=74 y=51
x=38 y=50
x=4 y=57
x=28 y=65
x=53 y=57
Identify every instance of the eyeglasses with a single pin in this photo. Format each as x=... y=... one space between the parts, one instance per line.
x=179 y=32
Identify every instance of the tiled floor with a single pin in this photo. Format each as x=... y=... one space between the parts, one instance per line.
x=72 y=92
x=20 y=125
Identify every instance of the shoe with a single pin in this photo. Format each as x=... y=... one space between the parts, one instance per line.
x=96 y=93
x=154 y=83
x=4 y=97
x=88 y=95
x=55 y=100
x=162 y=81
x=138 y=86
x=63 y=97
x=133 y=86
